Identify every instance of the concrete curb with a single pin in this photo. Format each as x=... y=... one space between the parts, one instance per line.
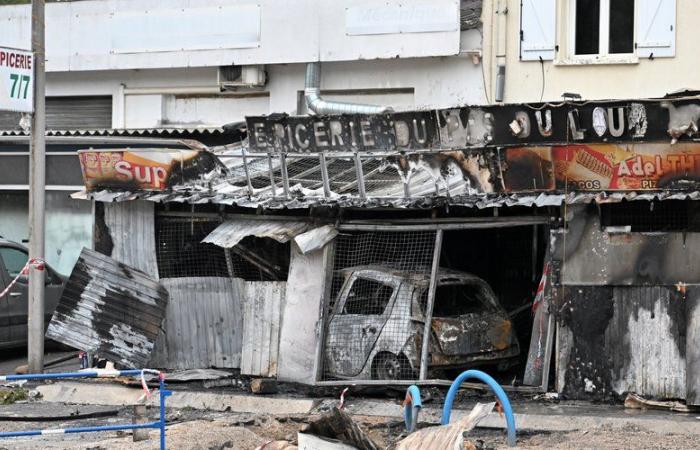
x=114 y=395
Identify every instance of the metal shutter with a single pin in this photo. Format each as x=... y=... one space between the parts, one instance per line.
x=69 y=113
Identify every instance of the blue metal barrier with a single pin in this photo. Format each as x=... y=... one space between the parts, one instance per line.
x=495 y=387
x=411 y=407
x=96 y=373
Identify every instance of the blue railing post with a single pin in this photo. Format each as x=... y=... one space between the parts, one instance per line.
x=163 y=394
x=96 y=373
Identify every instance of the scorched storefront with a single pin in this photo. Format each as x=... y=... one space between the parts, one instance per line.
x=524 y=239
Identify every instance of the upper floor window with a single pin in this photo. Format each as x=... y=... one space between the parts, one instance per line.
x=597 y=31
x=603 y=27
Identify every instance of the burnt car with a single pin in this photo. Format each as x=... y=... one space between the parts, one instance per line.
x=14 y=305
x=377 y=323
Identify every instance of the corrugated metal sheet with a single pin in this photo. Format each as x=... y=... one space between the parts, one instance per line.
x=131 y=226
x=203 y=324
x=123 y=132
x=645 y=341
x=315 y=239
x=262 y=310
x=111 y=309
x=231 y=232
x=225 y=194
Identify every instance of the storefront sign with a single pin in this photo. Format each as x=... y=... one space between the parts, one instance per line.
x=16 y=80
x=148 y=169
x=480 y=127
x=601 y=167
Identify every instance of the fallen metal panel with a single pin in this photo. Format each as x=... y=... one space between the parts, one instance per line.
x=298 y=335
x=262 y=309
x=111 y=309
x=130 y=228
x=203 y=323
x=231 y=232
x=316 y=239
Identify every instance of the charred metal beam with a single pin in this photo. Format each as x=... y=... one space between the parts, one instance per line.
x=324 y=175
x=272 y=175
x=360 y=177
x=285 y=175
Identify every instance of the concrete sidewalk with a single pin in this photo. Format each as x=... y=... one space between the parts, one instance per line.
x=531 y=415
x=536 y=416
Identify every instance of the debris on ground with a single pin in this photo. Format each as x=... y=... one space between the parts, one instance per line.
x=634 y=401
x=10 y=396
x=336 y=424
x=263 y=386
x=450 y=436
x=311 y=442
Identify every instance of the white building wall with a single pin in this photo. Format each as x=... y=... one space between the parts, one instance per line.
x=422 y=62
x=191 y=97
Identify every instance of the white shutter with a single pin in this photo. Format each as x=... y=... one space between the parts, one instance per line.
x=656 y=28
x=537 y=29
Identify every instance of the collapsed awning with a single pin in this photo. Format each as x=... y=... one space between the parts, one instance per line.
x=306 y=235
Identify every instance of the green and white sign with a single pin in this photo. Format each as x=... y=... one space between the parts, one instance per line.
x=16 y=80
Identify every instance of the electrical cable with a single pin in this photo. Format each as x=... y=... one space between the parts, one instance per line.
x=543 y=80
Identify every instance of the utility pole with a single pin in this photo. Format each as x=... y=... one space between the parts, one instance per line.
x=37 y=180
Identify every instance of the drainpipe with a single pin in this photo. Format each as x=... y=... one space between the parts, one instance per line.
x=501 y=43
x=318 y=105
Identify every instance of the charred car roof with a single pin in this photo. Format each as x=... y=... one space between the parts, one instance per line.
x=416 y=276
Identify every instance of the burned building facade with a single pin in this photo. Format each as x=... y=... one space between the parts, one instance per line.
x=528 y=239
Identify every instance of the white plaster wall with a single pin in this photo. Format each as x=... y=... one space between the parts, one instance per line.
x=133 y=34
x=190 y=97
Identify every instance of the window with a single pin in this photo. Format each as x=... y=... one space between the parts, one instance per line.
x=643 y=216
x=597 y=31
x=368 y=297
x=14 y=260
x=603 y=27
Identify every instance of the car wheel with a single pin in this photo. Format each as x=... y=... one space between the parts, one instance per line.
x=388 y=366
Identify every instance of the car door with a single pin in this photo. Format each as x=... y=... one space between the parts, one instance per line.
x=14 y=260
x=363 y=309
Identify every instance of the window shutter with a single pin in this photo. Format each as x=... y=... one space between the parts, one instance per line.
x=537 y=29
x=656 y=28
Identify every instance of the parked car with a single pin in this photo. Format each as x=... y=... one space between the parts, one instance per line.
x=376 y=327
x=13 y=306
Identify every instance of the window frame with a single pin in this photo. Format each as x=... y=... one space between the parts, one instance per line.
x=603 y=56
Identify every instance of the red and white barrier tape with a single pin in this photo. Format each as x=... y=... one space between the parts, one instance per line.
x=37 y=263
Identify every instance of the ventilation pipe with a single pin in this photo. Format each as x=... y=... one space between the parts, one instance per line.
x=315 y=103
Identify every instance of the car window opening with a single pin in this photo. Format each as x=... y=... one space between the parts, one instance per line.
x=368 y=297
x=454 y=300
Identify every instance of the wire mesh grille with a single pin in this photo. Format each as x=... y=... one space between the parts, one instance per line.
x=378 y=279
x=181 y=253
x=380 y=178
